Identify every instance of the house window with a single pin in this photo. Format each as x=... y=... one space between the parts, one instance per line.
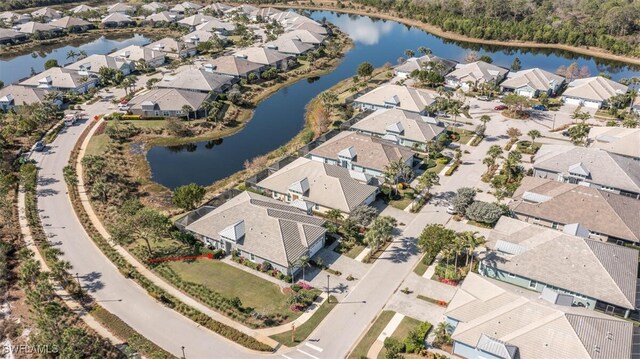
x=252 y=257
x=316 y=206
x=533 y=284
x=511 y=275
x=554 y=225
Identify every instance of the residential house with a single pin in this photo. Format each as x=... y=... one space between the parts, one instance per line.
x=495 y=320
x=72 y=24
x=235 y=66
x=471 y=75
x=8 y=36
x=200 y=80
x=311 y=26
x=425 y=62
x=82 y=9
x=163 y=17
x=405 y=128
x=517 y=248
x=215 y=25
x=47 y=14
x=186 y=7
x=39 y=29
x=136 y=54
x=121 y=8
x=361 y=153
x=168 y=102
x=243 y=9
x=608 y=216
x=92 y=64
x=592 y=92
x=14 y=96
x=288 y=17
x=9 y=18
x=215 y=8
x=155 y=7
x=117 y=19
x=618 y=140
x=263 y=230
x=305 y=36
x=264 y=13
x=396 y=96
x=591 y=167
x=533 y=82
x=198 y=36
x=266 y=56
x=292 y=47
x=194 y=20
x=173 y=48
x=312 y=185
x=60 y=79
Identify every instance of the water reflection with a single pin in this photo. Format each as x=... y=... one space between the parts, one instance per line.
x=363 y=30
x=18 y=67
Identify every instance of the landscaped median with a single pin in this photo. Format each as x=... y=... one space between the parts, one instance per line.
x=301 y=333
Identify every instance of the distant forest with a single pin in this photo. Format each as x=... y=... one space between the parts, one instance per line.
x=6 y=5
x=613 y=25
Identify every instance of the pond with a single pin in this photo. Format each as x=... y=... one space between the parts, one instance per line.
x=19 y=67
x=280 y=117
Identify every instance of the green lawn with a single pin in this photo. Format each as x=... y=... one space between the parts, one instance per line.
x=229 y=281
x=400 y=203
x=361 y=350
x=438 y=167
x=420 y=268
x=406 y=325
x=351 y=253
x=97 y=145
x=303 y=331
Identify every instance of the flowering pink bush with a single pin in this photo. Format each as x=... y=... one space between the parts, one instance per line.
x=449 y=282
x=296 y=307
x=305 y=285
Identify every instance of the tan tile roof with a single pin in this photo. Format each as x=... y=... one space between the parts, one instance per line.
x=478 y=71
x=120 y=7
x=60 y=78
x=195 y=80
x=170 y=45
x=195 y=20
x=304 y=36
x=606 y=169
x=136 y=52
x=22 y=95
x=273 y=230
x=47 y=12
x=600 y=211
x=408 y=98
x=169 y=99
x=419 y=63
x=370 y=152
x=235 y=66
x=537 y=328
x=329 y=186
x=166 y=16
x=262 y=55
x=623 y=141
x=416 y=127
x=69 y=21
x=594 y=88
x=289 y=46
x=571 y=263
x=11 y=34
x=535 y=78
x=31 y=27
x=116 y=17
x=93 y=63
x=216 y=25
x=82 y=8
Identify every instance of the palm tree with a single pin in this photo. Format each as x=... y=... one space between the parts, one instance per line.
x=455 y=112
x=334 y=215
x=186 y=110
x=512 y=164
x=495 y=151
x=71 y=54
x=470 y=240
x=427 y=181
x=409 y=53
x=303 y=262
x=534 y=134
x=489 y=161
x=82 y=54
x=484 y=119
x=424 y=50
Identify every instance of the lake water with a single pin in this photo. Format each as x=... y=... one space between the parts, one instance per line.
x=280 y=117
x=19 y=67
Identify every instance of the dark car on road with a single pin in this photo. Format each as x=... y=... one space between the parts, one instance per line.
x=500 y=107
x=539 y=107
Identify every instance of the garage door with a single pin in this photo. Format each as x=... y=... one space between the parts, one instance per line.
x=571 y=101
x=592 y=104
x=315 y=247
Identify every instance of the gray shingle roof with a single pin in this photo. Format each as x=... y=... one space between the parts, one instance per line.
x=22 y=95
x=535 y=78
x=262 y=55
x=167 y=99
x=600 y=211
x=329 y=186
x=234 y=66
x=420 y=63
x=273 y=231
x=595 y=88
x=69 y=21
x=571 y=263
x=604 y=168
x=623 y=141
x=478 y=71
x=32 y=27
x=416 y=127
x=195 y=80
x=537 y=328
x=405 y=98
x=289 y=46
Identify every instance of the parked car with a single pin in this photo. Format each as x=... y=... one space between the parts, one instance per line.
x=443 y=114
x=483 y=98
x=69 y=120
x=123 y=106
x=451 y=210
x=565 y=133
x=500 y=107
x=539 y=107
x=39 y=146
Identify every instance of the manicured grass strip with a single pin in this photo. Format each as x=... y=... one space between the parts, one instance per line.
x=120 y=329
x=421 y=267
x=351 y=253
x=361 y=350
x=303 y=331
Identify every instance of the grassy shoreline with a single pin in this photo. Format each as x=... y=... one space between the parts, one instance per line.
x=434 y=30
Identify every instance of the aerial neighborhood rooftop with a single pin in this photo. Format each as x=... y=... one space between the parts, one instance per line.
x=431 y=207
